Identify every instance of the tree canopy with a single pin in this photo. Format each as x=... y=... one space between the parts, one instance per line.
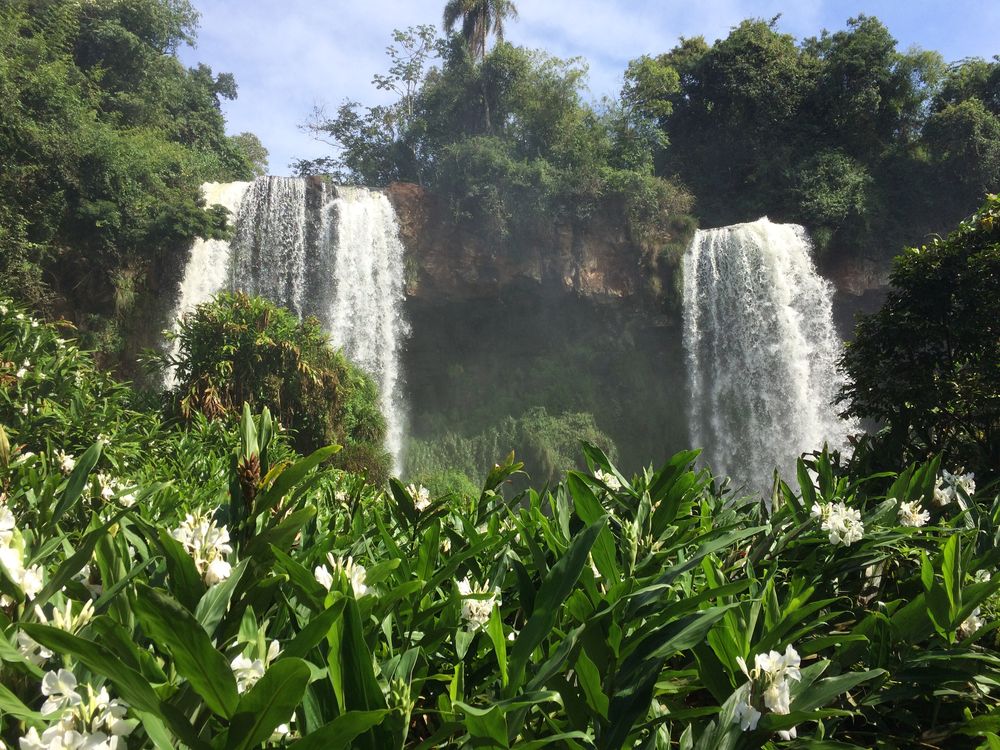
x=106 y=139
x=927 y=365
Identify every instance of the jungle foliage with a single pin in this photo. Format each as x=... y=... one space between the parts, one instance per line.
x=505 y=137
x=239 y=350
x=106 y=138
x=204 y=585
x=927 y=365
x=868 y=146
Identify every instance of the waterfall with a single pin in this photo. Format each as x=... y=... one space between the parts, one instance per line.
x=207 y=269
x=330 y=252
x=761 y=351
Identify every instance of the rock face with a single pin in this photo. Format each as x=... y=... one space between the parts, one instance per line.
x=448 y=261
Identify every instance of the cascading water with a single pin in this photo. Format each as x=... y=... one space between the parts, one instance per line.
x=762 y=350
x=207 y=269
x=330 y=252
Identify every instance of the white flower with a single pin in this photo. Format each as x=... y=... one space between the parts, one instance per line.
x=746 y=716
x=971 y=624
x=477 y=608
x=610 y=480
x=947 y=486
x=323 y=576
x=911 y=514
x=64 y=619
x=421 y=497
x=108 y=485
x=820 y=510
x=25 y=410
x=207 y=543
x=788 y=734
x=31 y=581
x=31 y=650
x=355 y=573
x=843 y=524
x=3 y=309
x=218 y=570
x=23 y=370
x=770 y=684
x=59 y=689
x=128 y=499
x=66 y=461
x=7 y=525
x=246 y=672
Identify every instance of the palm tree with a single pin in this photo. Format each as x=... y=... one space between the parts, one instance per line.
x=480 y=18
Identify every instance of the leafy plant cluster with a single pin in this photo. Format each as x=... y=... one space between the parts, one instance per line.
x=239 y=349
x=925 y=366
x=868 y=146
x=208 y=587
x=106 y=138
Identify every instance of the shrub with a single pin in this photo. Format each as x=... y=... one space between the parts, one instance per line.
x=239 y=349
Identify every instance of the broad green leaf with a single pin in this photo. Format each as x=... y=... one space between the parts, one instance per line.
x=76 y=482
x=290 y=477
x=340 y=733
x=553 y=592
x=268 y=703
x=171 y=626
x=314 y=632
x=186 y=583
x=213 y=604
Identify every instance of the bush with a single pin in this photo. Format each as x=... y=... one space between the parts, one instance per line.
x=925 y=365
x=548 y=444
x=239 y=349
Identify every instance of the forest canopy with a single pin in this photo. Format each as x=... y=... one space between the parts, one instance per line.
x=106 y=138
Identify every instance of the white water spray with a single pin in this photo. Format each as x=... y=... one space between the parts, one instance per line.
x=331 y=252
x=761 y=351
x=207 y=269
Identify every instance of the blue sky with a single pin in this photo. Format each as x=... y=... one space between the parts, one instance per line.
x=291 y=55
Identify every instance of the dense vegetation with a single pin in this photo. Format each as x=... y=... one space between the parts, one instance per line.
x=240 y=350
x=106 y=139
x=210 y=572
x=158 y=593
x=869 y=147
x=927 y=365
x=507 y=139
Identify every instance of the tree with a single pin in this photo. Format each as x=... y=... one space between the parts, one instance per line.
x=927 y=365
x=253 y=150
x=480 y=18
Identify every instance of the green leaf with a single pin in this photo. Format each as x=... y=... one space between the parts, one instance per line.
x=213 y=604
x=11 y=704
x=313 y=633
x=170 y=625
x=822 y=692
x=558 y=584
x=268 y=703
x=494 y=629
x=290 y=477
x=77 y=481
x=186 y=583
x=353 y=673
x=340 y=733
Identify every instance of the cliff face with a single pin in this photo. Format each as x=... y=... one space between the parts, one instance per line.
x=448 y=263
x=451 y=262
